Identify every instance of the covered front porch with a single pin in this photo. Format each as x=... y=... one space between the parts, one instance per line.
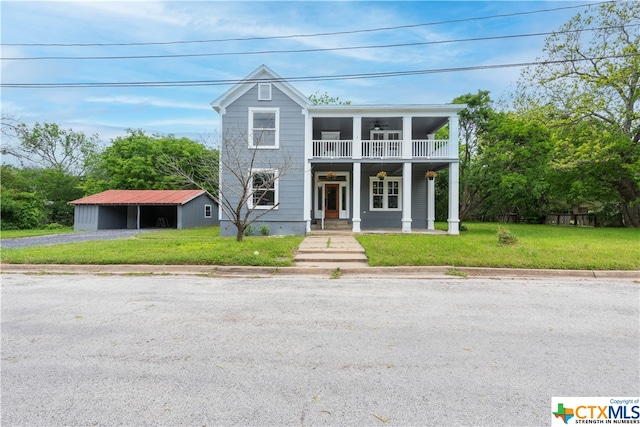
x=346 y=149
x=355 y=197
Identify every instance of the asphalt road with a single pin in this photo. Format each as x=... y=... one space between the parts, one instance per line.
x=177 y=350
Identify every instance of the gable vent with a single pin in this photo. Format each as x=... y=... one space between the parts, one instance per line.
x=264 y=91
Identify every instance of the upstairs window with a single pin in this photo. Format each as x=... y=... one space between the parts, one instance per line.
x=264 y=129
x=264 y=91
x=264 y=189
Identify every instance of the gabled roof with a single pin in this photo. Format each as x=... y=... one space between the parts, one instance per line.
x=140 y=197
x=262 y=74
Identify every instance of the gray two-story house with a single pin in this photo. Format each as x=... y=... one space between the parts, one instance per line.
x=365 y=166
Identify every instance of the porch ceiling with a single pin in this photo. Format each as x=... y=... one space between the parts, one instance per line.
x=422 y=126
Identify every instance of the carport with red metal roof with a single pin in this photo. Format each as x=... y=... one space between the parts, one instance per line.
x=135 y=209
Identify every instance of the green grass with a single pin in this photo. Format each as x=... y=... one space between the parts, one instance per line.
x=538 y=246
x=12 y=234
x=198 y=246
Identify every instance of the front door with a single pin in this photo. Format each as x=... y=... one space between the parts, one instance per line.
x=331 y=201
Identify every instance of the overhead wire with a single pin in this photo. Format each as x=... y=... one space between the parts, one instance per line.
x=310 y=50
x=323 y=34
x=306 y=78
x=303 y=78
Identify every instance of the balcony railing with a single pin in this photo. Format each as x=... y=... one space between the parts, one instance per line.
x=430 y=148
x=381 y=149
x=331 y=149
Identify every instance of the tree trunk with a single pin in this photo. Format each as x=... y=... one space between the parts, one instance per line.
x=240 y=233
x=630 y=214
x=630 y=203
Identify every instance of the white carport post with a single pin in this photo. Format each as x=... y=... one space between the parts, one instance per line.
x=138 y=218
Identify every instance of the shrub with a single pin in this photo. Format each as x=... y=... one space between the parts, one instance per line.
x=54 y=226
x=265 y=230
x=249 y=230
x=506 y=237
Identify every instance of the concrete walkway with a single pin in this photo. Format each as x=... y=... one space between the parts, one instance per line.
x=330 y=251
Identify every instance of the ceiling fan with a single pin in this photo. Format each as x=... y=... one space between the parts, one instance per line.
x=378 y=126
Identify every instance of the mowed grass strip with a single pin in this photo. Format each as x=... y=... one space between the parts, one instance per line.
x=14 y=234
x=198 y=246
x=538 y=246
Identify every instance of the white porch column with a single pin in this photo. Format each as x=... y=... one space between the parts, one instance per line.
x=406 y=197
x=357 y=138
x=453 y=137
x=431 y=204
x=307 y=200
x=454 y=221
x=407 y=131
x=355 y=191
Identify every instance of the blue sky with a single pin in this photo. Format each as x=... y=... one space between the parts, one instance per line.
x=185 y=111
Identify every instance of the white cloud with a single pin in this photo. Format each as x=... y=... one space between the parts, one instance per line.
x=147 y=102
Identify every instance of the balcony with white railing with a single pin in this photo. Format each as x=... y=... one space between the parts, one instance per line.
x=382 y=149
x=430 y=149
x=332 y=149
x=427 y=149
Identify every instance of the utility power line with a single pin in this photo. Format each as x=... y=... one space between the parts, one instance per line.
x=333 y=33
x=329 y=49
x=302 y=78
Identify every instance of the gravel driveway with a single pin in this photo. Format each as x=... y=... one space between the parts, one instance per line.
x=57 y=239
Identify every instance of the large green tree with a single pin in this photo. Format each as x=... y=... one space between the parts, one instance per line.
x=512 y=165
x=588 y=88
x=473 y=122
x=36 y=197
x=136 y=162
x=48 y=146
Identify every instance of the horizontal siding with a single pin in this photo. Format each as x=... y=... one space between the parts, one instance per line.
x=192 y=213
x=292 y=125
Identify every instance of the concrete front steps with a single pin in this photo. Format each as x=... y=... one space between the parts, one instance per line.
x=334 y=250
x=332 y=225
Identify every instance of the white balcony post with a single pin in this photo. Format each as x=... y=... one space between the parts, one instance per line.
x=431 y=204
x=406 y=197
x=454 y=221
x=453 y=137
x=356 y=197
x=407 y=132
x=307 y=200
x=356 y=150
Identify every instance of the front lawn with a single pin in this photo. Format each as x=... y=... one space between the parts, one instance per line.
x=201 y=246
x=538 y=246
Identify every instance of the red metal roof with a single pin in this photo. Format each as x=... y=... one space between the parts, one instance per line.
x=140 y=197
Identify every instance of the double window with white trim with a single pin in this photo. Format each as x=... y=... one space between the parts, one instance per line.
x=385 y=195
x=264 y=189
x=264 y=128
